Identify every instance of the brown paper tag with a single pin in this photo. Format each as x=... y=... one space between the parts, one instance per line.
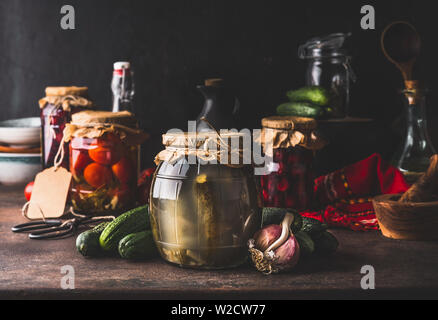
x=49 y=194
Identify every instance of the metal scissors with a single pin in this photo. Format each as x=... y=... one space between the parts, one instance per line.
x=52 y=229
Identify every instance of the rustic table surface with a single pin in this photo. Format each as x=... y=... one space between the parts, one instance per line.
x=32 y=269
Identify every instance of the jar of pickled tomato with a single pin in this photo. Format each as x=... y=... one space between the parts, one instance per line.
x=289 y=145
x=104 y=161
x=56 y=109
x=203 y=212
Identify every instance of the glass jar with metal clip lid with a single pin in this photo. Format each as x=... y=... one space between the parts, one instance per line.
x=328 y=66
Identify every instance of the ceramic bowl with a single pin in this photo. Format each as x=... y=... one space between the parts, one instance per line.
x=24 y=132
x=17 y=169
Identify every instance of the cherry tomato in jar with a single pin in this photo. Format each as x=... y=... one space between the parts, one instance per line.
x=28 y=190
x=97 y=175
x=107 y=150
x=123 y=170
x=80 y=159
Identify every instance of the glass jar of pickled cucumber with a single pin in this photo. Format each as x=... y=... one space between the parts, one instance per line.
x=104 y=161
x=202 y=213
x=289 y=144
x=56 y=109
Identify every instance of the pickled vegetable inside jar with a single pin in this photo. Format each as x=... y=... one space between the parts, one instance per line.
x=202 y=214
x=56 y=109
x=104 y=161
x=290 y=142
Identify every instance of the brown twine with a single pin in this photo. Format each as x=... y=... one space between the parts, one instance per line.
x=204 y=154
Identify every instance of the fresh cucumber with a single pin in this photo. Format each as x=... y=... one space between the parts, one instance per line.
x=133 y=221
x=137 y=246
x=313 y=94
x=87 y=243
x=300 y=109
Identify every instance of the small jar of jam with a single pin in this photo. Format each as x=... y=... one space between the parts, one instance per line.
x=104 y=161
x=289 y=144
x=56 y=109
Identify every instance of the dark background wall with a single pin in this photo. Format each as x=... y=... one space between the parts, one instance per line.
x=174 y=45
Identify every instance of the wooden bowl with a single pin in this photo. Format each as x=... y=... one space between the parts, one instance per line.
x=407 y=221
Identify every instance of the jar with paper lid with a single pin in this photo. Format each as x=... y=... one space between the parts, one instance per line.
x=289 y=144
x=56 y=109
x=204 y=203
x=104 y=161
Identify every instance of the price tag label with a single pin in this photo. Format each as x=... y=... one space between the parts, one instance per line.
x=49 y=194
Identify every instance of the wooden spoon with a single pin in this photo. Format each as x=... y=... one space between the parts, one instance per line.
x=401 y=44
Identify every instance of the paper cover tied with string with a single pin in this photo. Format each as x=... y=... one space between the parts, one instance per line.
x=282 y=132
x=227 y=147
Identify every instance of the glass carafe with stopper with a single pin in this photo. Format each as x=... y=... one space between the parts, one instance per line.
x=412 y=158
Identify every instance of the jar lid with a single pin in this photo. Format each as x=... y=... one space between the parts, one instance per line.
x=288 y=132
x=289 y=123
x=65 y=97
x=94 y=124
x=67 y=91
x=328 y=46
x=207 y=146
x=89 y=117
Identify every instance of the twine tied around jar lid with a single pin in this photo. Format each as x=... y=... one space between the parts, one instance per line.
x=288 y=132
x=94 y=124
x=65 y=97
x=210 y=146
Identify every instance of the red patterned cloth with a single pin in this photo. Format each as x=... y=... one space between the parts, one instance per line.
x=346 y=194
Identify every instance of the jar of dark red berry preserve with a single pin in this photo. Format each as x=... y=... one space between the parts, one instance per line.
x=289 y=145
x=56 y=109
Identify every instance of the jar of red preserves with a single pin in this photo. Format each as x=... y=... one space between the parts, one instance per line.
x=289 y=144
x=104 y=161
x=56 y=109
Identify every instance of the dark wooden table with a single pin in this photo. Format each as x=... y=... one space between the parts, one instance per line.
x=32 y=269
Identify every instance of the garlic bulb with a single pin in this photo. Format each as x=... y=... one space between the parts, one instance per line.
x=274 y=248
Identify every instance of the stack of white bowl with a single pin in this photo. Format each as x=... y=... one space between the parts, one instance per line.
x=20 y=150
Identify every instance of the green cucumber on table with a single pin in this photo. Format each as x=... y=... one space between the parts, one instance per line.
x=138 y=246
x=87 y=243
x=133 y=221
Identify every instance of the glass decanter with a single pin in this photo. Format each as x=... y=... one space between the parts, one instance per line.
x=412 y=158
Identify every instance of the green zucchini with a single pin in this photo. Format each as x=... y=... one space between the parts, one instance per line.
x=133 y=221
x=137 y=246
x=87 y=243
x=314 y=94
x=307 y=246
x=300 y=109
